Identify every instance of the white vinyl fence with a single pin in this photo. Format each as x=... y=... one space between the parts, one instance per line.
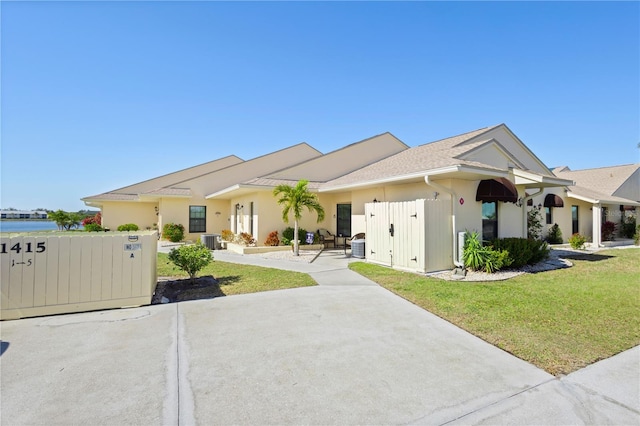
x=410 y=235
x=72 y=272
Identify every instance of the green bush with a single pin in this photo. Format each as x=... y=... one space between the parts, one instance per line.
x=93 y=227
x=128 y=227
x=173 y=232
x=479 y=258
x=636 y=237
x=534 y=224
x=577 y=241
x=287 y=235
x=555 y=235
x=628 y=227
x=522 y=251
x=191 y=258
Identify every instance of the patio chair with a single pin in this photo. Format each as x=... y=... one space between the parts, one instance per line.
x=327 y=237
x=358 y=236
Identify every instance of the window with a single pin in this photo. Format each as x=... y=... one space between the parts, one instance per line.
x=197 y=219
x=489 y=220
x=547 y=211
x=344 y=220
x=574 y=220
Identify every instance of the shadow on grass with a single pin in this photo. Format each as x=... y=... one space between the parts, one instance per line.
x=587 y=256
x=229 y=279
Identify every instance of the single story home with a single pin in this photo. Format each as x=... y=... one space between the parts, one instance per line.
x=412 y=202
x=604 y=194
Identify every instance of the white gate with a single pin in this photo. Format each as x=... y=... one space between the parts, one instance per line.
x=411 y=235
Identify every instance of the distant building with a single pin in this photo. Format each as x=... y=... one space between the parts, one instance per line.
x=23 y=214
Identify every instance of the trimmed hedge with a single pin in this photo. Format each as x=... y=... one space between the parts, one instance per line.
x=522 y=251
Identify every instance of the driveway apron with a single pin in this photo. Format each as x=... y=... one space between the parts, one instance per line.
x=344 y=352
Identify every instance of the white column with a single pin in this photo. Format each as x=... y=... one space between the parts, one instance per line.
x=597 y=224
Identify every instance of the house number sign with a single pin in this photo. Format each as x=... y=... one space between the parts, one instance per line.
x=18 y=248
x=28 y=248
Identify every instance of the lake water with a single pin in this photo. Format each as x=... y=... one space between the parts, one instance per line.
x=27 y=225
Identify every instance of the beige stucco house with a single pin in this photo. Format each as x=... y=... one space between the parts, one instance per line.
x=598 y=195
x=480 y=180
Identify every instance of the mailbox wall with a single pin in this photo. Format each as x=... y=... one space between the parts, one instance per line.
x=72 y=272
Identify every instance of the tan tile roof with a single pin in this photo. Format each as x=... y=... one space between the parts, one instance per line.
x=272 y=183
x=599 y=183
x=581 y=191
x=171 y=192
x=430 y=156
x=111 y=196
x=344 y=160
x=605 y=180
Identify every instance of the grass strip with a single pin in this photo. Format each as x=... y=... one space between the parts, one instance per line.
x=240 y=279
x=559 y=320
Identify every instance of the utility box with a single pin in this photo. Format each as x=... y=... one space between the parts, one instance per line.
x=55 y=273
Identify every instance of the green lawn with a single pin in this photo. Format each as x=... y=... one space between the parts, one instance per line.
x=240 y=279
x=559 y=320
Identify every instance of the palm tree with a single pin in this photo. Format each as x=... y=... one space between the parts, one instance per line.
x=295 y=198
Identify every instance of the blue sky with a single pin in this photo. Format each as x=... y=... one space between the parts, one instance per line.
x=99 y=95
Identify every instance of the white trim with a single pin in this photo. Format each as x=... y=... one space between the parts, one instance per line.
x=422 y=174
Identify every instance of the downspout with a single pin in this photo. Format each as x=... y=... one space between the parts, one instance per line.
x=454 y=197
x=524 y=211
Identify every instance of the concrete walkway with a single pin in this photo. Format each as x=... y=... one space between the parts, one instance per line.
x=344 y=352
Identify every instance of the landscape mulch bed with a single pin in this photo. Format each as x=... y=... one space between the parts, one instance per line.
x=179 y=290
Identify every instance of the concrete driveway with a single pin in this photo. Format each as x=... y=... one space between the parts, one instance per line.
x=346 y=353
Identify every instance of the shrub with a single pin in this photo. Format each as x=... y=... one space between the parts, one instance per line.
x=636 y=237
x=92 y=227
x=128 y=227
x=534 y=224
x=173 y=232
x=608 y=229
x=555 y=235
x=522 y=251
x=628 y=227
x=90 y=220
x=479 y=258
x=191 y=258
x=577 y=241
x=272 y=239
x=247 y=239
x=227 y=235
x=287 y=234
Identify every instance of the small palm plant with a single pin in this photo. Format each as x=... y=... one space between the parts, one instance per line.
x=295 y=199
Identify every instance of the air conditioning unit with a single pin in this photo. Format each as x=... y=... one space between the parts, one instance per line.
x=357 y=249
x=461 y=240
x=210 y=241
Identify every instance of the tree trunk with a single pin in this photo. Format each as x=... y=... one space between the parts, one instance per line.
x=296 y=243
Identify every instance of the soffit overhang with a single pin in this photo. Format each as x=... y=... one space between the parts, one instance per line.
x=462 y=172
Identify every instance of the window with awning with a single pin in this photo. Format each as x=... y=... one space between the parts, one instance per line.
x=552 y=200
x=498 y=189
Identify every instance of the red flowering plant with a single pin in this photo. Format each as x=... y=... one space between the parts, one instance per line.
x=96 y=219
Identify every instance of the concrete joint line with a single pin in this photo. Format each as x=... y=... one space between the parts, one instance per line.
x=185 y=394
x=178 y=407
x=500 y=400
